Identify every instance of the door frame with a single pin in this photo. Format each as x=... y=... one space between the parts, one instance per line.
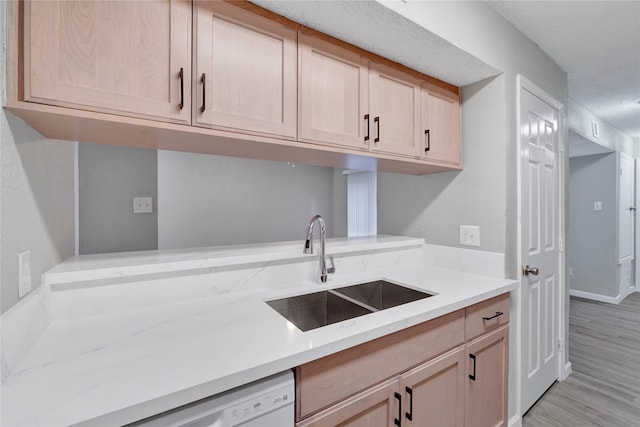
x=564 y=368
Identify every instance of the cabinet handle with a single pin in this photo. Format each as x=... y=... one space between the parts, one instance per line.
x=204 y=92
x=498 y=313
x=472 y=377
x=398 y=421
x=366 y=117
x=377 y=121
x=428 y=146
x=181 y=88
x=409 y=414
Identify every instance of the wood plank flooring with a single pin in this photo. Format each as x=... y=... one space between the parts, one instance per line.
x=604 y=388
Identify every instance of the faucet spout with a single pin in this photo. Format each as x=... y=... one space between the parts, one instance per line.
x=308 y=246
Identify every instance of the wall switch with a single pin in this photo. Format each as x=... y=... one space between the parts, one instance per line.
x=143 y=205
x=597 y=205
x=470 y=235
x=24 y=273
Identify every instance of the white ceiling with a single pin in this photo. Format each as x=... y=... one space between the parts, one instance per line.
x=597 y=43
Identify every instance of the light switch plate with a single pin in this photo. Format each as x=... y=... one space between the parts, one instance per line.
x=143 y=205
x=597 y=205
x=470 y=235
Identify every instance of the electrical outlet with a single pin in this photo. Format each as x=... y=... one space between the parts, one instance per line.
x=143 y=205
x=470 y=235
x=24 y=273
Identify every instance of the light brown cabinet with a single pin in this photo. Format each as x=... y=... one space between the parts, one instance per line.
x=123 y=58
x=395 y=110
x=226 y=78
x=441 y=123
x=376 y=407
x=431 y=394
x=333 y=94
x=450 y=371
x=348 y=100
x=486 y=393
x=245 y=71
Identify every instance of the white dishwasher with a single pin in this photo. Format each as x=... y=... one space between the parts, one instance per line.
x=264 y=403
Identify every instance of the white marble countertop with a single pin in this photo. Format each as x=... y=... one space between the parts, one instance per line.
x=108 y=266
x=117 y=368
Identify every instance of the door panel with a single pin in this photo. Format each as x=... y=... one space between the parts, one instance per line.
x=372 y=408
x=441 y=118
x=486 y=403
x=395 y=111
x=333 y=93
x=115 y=57
x=539 y=145
x=437 y=392
x=249 y=68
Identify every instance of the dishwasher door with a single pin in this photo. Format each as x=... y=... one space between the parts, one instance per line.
x=265 y=403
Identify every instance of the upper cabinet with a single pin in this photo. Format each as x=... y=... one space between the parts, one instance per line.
x=441 y=122
x=226 y=78
x=333 y=94
x=245 y=71
x=123 y=58
x=395 y=108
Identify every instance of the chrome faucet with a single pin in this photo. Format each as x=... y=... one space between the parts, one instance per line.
x=308 y=247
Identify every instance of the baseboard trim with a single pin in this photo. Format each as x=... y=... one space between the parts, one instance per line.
x=597 y=297
x=515 y=421
x=565 y=371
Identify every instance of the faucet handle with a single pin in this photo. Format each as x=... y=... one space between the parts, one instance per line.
x=308 y=246
x=332 y=269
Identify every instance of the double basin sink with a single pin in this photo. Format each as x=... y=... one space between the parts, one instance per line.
x=311 y=311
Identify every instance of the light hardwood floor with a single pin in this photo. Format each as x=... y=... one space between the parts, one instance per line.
x=604 y=389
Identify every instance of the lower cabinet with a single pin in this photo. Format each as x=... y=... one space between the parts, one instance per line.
x=431 y=394
x=465 y=385
x=486 y=397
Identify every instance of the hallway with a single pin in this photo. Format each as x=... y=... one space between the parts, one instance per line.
x=604 y=389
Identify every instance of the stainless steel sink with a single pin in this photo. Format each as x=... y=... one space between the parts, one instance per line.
x=318 y=309
x=381 y=294
x=311 y=311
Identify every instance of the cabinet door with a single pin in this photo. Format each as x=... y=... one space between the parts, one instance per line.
x=376 y=407
x=487 y=369
x=333 y=94
x=117 y=57
x=433 y=393
x=245 y=75
x=395 y=111
x=441 y=123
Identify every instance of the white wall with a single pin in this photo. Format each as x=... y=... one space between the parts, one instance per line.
x=36 y=196
x=206 y=200
x=109 y=177
x=592 y=234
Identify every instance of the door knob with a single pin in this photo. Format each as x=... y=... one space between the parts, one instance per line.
x=526 y=270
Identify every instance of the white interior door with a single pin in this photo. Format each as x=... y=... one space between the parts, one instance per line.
x=626 y=217
x=540 y=236
x=637 y=222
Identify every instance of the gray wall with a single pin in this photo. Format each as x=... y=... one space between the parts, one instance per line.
x=433 y=206
x=36 y=196
x=592 y=234
x=206 y=200
x=109 y=177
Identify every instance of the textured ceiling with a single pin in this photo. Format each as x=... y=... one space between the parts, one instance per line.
x=597 y=43
x=376 y=28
